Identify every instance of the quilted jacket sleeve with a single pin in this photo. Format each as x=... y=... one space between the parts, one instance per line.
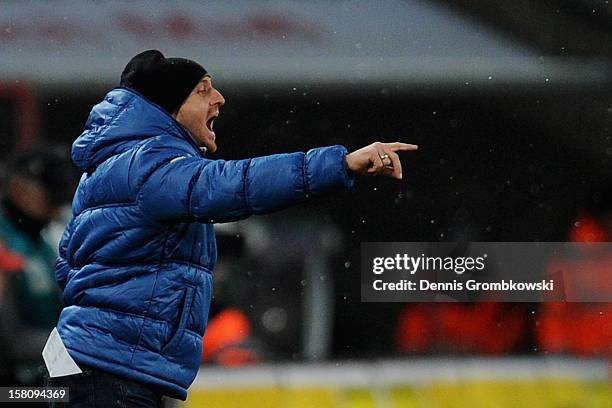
x=205 y=190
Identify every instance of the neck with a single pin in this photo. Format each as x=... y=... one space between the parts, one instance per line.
x=21 y=221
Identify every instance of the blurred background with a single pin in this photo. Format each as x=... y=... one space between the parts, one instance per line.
x=510 y=103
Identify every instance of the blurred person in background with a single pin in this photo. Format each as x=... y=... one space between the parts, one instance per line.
x=137 y=257
x=484 y=328
x=35 y=187
x=229 y=339
x=583 y=329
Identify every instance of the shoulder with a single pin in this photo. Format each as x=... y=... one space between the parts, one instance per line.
x=10 y=261
x=163 y=147
x=154 y=153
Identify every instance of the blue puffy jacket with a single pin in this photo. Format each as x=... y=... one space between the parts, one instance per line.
x=136 y=259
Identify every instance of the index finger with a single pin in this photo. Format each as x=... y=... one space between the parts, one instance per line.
x=406 y=147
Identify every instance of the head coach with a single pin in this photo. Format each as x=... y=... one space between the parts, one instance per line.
x=136 y=260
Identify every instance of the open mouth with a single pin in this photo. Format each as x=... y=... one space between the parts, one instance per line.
x=210 y=122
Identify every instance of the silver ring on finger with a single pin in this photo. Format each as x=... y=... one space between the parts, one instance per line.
x=384 y=157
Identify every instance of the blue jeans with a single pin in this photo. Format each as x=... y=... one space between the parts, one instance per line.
x=95 y=388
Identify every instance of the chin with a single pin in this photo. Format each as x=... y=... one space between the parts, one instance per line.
x=210 y=147
x=207 y=142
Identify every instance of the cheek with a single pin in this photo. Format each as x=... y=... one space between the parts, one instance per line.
x=190 y=117
x=197 y=117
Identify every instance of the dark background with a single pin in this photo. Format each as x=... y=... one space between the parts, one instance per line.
x=497 y=161
x=493 y=165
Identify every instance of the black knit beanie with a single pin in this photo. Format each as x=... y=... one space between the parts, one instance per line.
x=164 y=81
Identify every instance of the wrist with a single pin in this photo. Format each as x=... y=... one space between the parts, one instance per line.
x=347 y=167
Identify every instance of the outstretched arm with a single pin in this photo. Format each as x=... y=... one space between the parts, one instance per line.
x=196 y=189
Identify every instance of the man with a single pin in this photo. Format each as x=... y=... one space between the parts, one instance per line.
x=30 y=301
x=136 y=259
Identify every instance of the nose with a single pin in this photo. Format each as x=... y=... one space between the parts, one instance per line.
x=218 y=98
